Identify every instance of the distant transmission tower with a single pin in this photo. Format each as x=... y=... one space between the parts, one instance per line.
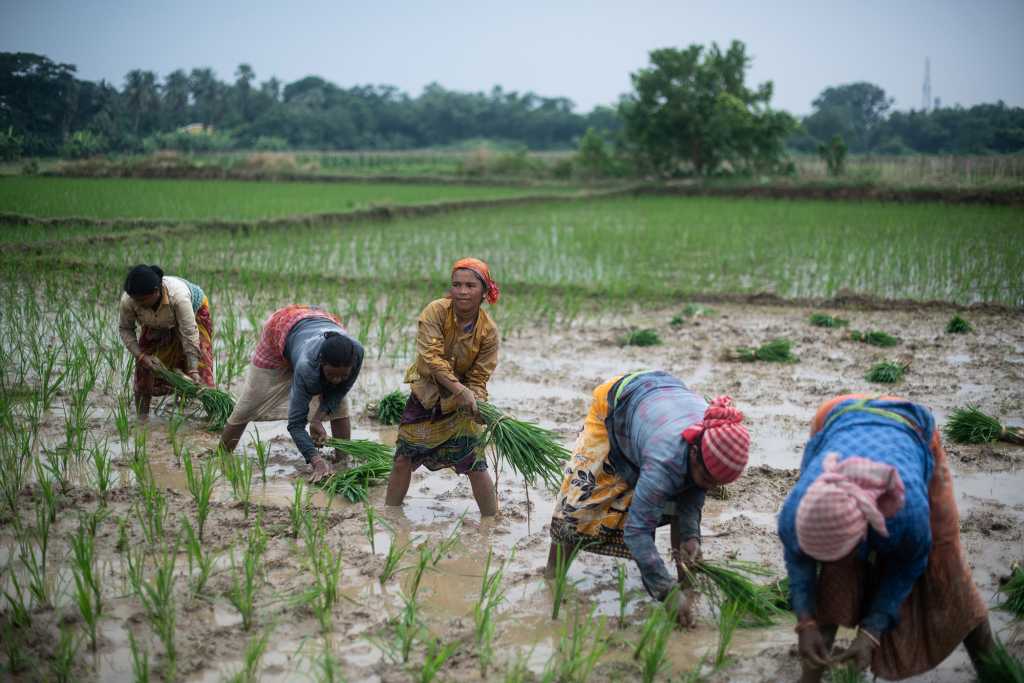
x=926 y=89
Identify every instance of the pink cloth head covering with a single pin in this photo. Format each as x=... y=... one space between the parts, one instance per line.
x=484 y=273
x=834 y=514
x=725 y=445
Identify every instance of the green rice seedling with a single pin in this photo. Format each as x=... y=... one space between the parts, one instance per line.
x=140 y=660
x=298 y=510
x=157 y=598
x=88 y=594
x=407 y=627
x=620 y=585
x=244 y=582
x=396 y=551
x=845 y=674
x=201 y=487
x=122 y=420
x=328 y=668
x=958 y=325
x=326 y=568
x=777 y=592
x=645 y=337
x=774 y=351
x=374 y=466
x=999 y=666
x=122 y=535
x=200 y=564
x=17 y=654
x=262 y=449
x=423 y=562
x=434 y=661
x=63 y=660
x=1013 y=590
x=518 y=672
x=531 y=451
x=875 y=338
x=251 y=659
x=825 y=320
x=886 y=372
x=561 y=580
x=449 y=542
x=729 y=616
x=677 y=321
x=103 y=475
x=57 y=466
x=652 y=648
x=173 y=427
x=729 y=582
x=371 y=525
x=20 y=612
x=35 y=567
x=237 y=469
x=580 y=645
x=390 y=407
x=216 y=403
x=14 y=465
x=152 y=514
x=971 y=425
x=491 y=596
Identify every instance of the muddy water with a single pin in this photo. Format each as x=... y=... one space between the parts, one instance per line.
x=554 y=390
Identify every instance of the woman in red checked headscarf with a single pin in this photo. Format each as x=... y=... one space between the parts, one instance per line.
x=649 y=449
x=871 y=538
x=456 y=352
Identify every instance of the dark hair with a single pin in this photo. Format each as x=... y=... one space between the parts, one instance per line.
x=337 y=350
x=142 y=280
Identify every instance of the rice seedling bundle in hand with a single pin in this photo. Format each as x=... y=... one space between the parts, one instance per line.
x=875 y=338
x=886 y=372
x=970 y=425
x=729 y=582
x=389 y=409
x=999 y=666
x=958 y=325
x=825 y=320
x=216 y=403
x=642 y=338
x=775 y=351
x=374 y=466
x=531 y=450
x=1013 y=589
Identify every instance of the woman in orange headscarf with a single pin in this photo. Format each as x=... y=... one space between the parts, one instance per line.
x=456 y=352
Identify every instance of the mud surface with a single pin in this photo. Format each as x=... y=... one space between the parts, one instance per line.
x=547 y=377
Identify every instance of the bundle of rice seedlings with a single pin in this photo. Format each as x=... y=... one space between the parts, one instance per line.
x=642 y=338
x=958 y=325
x=389 y=409
x=778 y=593
x=531 y=450
x=887 y=372
x=999 y=666
x=1013 y=589
x=729 y=582
x=970 y=425
x=216 y=403
x=825 y=320
x=846 y=674
x=775 y=351
x=374 y=466
x=875 y=338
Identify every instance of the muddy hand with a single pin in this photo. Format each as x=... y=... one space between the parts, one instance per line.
x=317 y=433
x=859 y=653
x=321 y=470
x=685 y=615
x=812 y=646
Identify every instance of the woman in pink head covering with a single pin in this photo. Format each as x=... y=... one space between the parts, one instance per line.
x=649 y=449
x=872 y=540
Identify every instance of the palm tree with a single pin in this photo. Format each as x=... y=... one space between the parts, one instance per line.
x=141 y=98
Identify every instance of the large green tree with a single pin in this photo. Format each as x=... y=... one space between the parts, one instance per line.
x=854 y=111
x=692 y=108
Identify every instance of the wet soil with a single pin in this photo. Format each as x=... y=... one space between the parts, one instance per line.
x=547 y=377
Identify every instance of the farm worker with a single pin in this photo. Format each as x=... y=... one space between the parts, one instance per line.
x=176 y=331
x=456 y=352
x=649 y=449
x=302 y=369
x=871 y=538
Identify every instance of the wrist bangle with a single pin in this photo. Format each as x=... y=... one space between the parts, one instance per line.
x=870 y=636
x=805 y=625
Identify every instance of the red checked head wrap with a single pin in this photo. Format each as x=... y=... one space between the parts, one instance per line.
x=834 y=514
x=725 y=445
x=484 y=273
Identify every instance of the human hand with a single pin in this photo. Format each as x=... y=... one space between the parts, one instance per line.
x=321 y=470
x=147 y=361
x=465 y=399
x=811 y=646
x=317 y=433
x=685 y=609
x=194 y=376
x=859 y=653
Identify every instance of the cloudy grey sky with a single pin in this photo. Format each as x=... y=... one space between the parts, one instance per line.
x=581 y=50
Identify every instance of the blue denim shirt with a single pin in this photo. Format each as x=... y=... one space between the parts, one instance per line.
x=302 y=349
x=903 y=555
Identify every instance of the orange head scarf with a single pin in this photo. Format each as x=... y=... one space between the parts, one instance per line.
x=482 y=271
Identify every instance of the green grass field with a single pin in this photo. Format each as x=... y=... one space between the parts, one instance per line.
x=199 y=200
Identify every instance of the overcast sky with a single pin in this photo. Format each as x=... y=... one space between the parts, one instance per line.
x=580 y=50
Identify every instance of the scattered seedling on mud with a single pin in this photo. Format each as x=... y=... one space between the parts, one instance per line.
x=122 y=535
x=434 y=661
x=325 y=565
x=396 y=551
x=579 y=647
x=20 y=610
x=157 y=598
x=448 y=542
x=153 y=514
x=845 y=674
x=262 y=449
x=874 y=338
x=140 y=660
x=173 y=427
x=1013 y=589
x=88 y=593
x=35 y=567
x=371 y=525
x=999 y=666
x=47 y=494
x=532 y=451
x=63 y=660
x=423 y=562
x=407 y=628
x=237 y=469
x=298 y=510
x=646 y=337
x=17 y=653
x=491 y=597
x=775 y=351
x=652 y=647
x=887 y=372
x=561 y=580
x=103 y=476
x=216 y=403
x=825 y=320
x=389 y=408
x=958 y=325
x=200 y=564
x=251 y=660
x=328 y=669
x=242 y=593
x=970 y=425
x=729 y=615
x=122 y=420
x=201 y=487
